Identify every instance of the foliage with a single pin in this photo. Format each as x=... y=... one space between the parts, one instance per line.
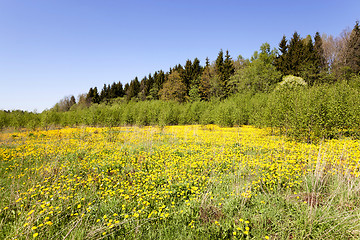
x=352 y=51
x=291 y=82
x=259 y=76
x=174 y=88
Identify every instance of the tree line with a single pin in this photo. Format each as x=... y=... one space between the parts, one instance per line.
x=307 y=87
x=318 y=60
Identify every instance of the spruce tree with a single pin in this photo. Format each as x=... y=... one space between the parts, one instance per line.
x=320 y=61
x=72 y=100
x=90 y=95
x=219 y=63
x=187 y=74
x=104 y=93
x=207 y=63
x=126 y=88
x=281 y=59
x=204 y=85
x=134 y=89
x=294 y=59
x=228 y=71
x=352 y=52
x=144 y=89
x=96 y=98
x=308 y=69
x=196 y=69
x=220 y=85
x=117 y=90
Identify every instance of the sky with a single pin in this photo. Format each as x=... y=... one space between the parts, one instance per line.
x=50 y=49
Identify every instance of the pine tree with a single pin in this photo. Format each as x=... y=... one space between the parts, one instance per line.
x=308 y=69
x=281 y=59
x=144 y=89
x=228 y=71
x=117 y=90
x=96 y=97
x=126 y=88
x=220 y=85
x=294 y=59
x=352 y=52
x=104 y=93
x=319 y=53
x=72 y=100
x=207 y=63
x=219 y=63
x=196 y=69
x=134 y=89
x=205 y=86
x=90 y=96
x=186 y=74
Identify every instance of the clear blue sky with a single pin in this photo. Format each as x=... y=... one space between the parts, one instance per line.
x=54 y=48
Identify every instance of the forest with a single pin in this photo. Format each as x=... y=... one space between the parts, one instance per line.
x=307 y=87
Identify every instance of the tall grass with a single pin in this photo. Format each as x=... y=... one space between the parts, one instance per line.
x=193 y=182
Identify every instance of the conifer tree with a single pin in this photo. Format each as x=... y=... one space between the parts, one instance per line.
x=90 y=95
x=219 y=63
x=126 y=88
x=220 y=84
x=281 y=59
x=144 y=89
x=72 y=100
x=186 y=74
x=294 y=59
x=196 y=68
x=104 y=94
x=352 y=52
x=320 y=61
x=133 y=90
x=96 y=97
x=228 y=71
x=117 y=90
x=308 y=69
x=204 y=85
x=207 y=62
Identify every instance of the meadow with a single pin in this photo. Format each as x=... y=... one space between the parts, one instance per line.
x=176 y=182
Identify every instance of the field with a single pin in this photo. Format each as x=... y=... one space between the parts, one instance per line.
x=177 y=182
